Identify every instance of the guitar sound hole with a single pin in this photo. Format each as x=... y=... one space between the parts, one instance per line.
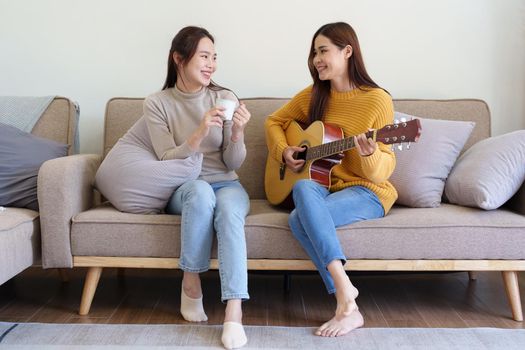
x=301 y=155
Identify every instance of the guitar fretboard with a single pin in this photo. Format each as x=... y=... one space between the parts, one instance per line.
x=330 y=148
x=389 y=134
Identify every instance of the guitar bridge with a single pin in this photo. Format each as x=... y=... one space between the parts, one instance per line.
x=282 y=169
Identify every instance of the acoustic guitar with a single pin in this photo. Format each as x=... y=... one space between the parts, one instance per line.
x=324 y=144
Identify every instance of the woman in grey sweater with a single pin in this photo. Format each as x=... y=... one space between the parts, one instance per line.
x=182 y=156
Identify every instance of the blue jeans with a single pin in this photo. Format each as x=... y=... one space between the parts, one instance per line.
x=318 y=212
x=207 y=208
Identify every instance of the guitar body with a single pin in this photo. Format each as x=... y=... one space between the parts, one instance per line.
x=278 y=184
x=325 y=145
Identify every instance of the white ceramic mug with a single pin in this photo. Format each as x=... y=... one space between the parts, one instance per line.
x=229 y=107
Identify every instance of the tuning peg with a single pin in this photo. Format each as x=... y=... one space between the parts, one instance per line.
x=408 y=145
x=403 y=120
x=400 y=146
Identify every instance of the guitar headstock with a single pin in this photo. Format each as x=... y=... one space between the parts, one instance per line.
x=403 y=131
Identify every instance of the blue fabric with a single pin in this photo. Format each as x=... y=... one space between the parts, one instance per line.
x=318 y=212
x=21 y=155
x=23 y=112
x=205 y=208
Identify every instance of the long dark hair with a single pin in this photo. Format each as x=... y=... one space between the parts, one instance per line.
x=340 y=34
x=185 y=44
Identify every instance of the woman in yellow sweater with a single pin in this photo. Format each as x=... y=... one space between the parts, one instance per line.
x=342 y=94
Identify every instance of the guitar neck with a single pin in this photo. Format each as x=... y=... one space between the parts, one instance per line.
x=331 y=148
x=389 y=134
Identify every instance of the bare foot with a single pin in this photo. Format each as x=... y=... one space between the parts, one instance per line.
x=346 y=299
x=341 y=324
x=354 y=292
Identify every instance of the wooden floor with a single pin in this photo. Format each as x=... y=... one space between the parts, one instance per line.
x=152 y=296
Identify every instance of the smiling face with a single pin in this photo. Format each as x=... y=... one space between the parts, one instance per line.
x=197 y=72
x=330 y=61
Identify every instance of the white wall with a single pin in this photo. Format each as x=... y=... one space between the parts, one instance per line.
x=92 y=50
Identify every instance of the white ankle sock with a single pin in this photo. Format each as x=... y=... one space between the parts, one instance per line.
x=233 y=335
x=192 y=309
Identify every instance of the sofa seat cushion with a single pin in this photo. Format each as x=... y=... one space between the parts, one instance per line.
x=105 y=231
x=446 y=232
x=19 y=241
x=11 y=218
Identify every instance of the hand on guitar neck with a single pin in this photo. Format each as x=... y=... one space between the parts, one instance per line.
x=365 y=146
x=293 y=160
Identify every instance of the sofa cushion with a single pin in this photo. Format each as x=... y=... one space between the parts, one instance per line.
x=19 y=241
x=135 y=181
x=11 y=218
x=421 y=171
x=123 y=112
x=489 y=173
x=104 y=231
x=447 y=232
x=21 y=155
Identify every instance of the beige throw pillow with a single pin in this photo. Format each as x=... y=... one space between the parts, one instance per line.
x=422 y=170
x=489 y=173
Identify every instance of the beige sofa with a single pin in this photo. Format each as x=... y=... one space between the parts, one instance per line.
x=76 y=232
x=20 y=228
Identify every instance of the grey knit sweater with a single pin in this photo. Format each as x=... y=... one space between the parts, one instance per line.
x=172 y=116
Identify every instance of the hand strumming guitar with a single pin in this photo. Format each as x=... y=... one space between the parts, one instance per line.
x=294 y=164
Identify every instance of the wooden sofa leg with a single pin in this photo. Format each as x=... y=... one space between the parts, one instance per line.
x=472 y=275
x=90 y=286
x=510 y=279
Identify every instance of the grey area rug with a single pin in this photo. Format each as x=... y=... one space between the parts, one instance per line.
x=91 y=336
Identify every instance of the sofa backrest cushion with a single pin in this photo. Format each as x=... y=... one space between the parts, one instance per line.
x=122 y=113
x=468 y=110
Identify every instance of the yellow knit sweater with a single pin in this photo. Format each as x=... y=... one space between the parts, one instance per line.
x=354 y=112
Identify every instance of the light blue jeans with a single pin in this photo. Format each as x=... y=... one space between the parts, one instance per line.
x=318 y=212
x=207 y=208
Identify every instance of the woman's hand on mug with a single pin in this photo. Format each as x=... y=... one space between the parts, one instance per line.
x=241 y=117
x=211 y=118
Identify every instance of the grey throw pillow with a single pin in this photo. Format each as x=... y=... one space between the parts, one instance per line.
x=421 y=171
x=135 y=181
x=21 y=155
x=489 y=173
